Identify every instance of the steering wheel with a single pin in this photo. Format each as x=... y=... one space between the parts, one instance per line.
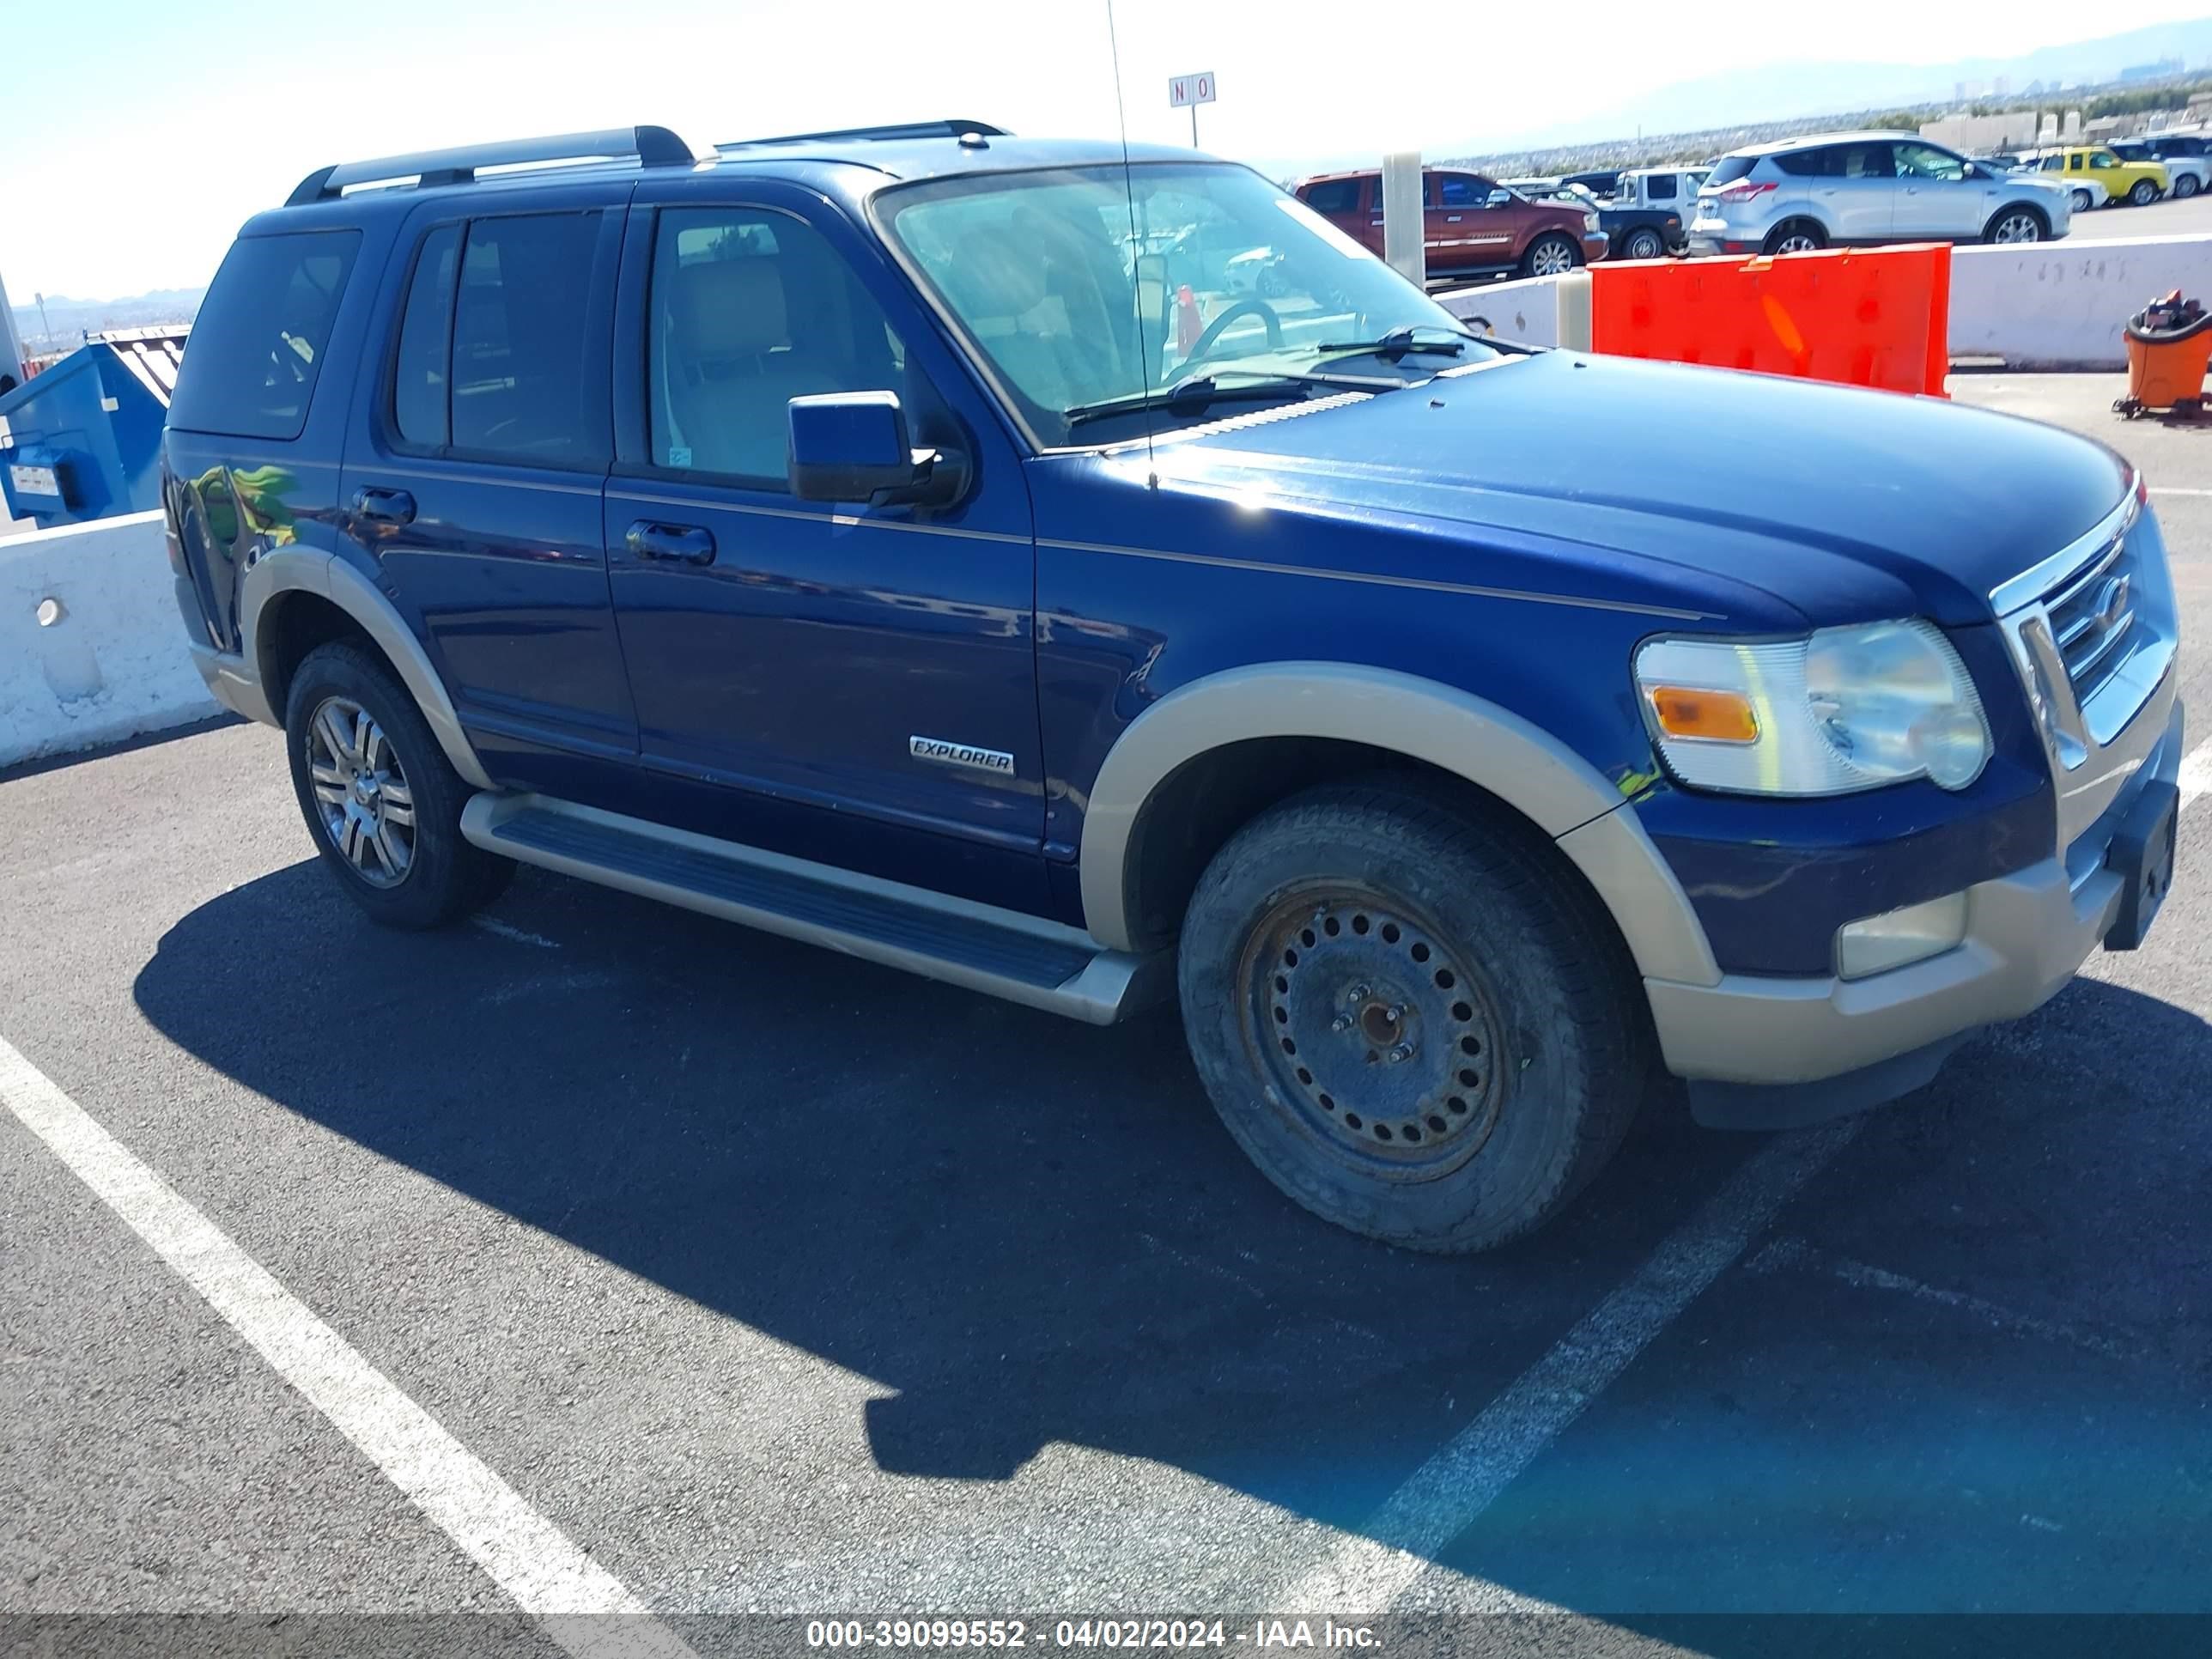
x=1202 y=347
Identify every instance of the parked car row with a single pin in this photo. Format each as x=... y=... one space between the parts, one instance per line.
x=1831 y=190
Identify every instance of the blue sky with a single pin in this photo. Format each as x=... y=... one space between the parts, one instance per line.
x=136 y=135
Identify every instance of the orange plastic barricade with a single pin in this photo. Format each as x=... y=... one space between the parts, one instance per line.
x=1875 y=316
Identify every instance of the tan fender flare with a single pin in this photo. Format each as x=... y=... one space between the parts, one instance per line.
x=312 y=570
x=1490 y=746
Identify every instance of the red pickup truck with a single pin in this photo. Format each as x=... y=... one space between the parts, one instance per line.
x=1473 y=226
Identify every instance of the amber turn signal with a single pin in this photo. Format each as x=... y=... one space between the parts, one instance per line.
x=1716 y=716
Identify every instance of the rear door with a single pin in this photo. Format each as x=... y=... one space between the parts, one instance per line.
x=1936 y=195
x=474 y=475
x=1855 y=190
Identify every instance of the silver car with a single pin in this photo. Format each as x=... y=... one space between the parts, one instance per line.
x=1858 y=189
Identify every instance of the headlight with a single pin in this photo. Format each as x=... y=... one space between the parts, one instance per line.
x=1847 y=708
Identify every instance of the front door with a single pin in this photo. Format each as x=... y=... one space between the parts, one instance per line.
x=846 y=684
x=1464 y=231
x=1937 y=198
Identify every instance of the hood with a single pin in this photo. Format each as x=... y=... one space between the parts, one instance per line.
x=1842 y=504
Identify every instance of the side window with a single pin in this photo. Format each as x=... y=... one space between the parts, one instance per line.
x=1463 y=190
x=2053 y=163
x=420 y=410
x=518 y=387
x=1863 y=162
x=1659 y=186
x=1334 y=196
x=258 y=344
x=749 y=309
x=1821 y=163
x=1926 y=161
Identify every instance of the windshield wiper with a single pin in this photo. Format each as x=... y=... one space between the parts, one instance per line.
x=1191 y=395
x=1398 y=342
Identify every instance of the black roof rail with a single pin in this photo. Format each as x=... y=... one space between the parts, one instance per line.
x=651 y=146
x=952 y=128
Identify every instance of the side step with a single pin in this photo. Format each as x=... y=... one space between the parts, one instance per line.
x=1023 y=958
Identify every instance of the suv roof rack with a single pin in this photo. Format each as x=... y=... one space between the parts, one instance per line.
x=652 y=147
x=951 y=128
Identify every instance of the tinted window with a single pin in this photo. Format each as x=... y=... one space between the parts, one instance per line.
x=1730 y=168
x=258 y=345
x=2104 y=158
x=521 y=318
x=749 y=310
x=1334 y=196
x=1463 y=190
x=419 y=405
x=1659 y=186
x=2053 y=163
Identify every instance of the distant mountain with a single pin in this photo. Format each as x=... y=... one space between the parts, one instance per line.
x=1779 y=92
x=68 y=320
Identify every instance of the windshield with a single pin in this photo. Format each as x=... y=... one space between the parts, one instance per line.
x=1079 y=302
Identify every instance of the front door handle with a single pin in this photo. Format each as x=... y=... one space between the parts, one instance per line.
x=685 y=543
x=385 y=506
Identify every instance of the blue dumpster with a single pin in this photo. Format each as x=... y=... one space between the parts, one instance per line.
x=83 y=440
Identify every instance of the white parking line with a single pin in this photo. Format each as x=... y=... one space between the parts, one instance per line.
x=1369 y=1571
x=2170 y=490
x=2195 y=775
x=508 y=930
x=1785 y=1253
x=579 y=1604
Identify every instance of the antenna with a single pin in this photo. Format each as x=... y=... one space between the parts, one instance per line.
x=1136 y=245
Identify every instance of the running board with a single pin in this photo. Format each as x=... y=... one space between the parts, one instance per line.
x=1023 y=958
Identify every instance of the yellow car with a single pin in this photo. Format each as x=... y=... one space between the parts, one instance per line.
x=2139 y=182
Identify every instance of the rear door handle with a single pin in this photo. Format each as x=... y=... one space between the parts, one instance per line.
x=685 y=543
x=385 y=506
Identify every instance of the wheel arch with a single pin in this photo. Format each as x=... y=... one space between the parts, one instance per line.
x=294 y=594
x=1523 y=769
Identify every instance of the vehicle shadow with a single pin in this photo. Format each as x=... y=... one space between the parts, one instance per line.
x=1033 y=1231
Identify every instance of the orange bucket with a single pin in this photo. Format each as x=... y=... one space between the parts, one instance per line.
x=2166 y=371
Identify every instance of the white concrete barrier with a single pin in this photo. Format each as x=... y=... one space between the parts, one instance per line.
x=2062 y=304
x=2038 y=305
x=91 y=649
x=1527 y=310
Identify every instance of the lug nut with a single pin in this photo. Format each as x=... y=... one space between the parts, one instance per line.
x=1403 y=1051
x=1341 y=1022
x=1358 y=994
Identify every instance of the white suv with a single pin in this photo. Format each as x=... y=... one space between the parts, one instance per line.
x=1865 y=188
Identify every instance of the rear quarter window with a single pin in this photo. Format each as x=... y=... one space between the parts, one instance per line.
x=1730 y=168
x=258 y=345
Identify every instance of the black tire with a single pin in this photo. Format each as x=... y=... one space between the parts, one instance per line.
x=1479 y=959
x=2185 y=186
x=2016 y=219
x=1792 y=229
x=2083 y=200
x=1546 y=250
x=1643 y=243
x=445 y=877
x=2144 y=193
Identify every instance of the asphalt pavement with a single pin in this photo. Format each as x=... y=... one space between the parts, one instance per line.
x=2167 y=216
x=772 y=1283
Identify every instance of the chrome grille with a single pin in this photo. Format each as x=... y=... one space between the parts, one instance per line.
x=2092 y=618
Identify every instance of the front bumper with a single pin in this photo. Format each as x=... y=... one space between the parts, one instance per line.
x=1594 y=246
x=1880 y=1036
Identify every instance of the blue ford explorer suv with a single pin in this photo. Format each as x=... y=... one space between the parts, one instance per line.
x=914 y=541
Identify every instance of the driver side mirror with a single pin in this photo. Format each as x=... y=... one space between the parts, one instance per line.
x=1499 y=197
x=853 y=447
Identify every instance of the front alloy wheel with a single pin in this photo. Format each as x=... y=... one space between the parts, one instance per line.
x=2144 y=193
x=367 y=806
x=1552 y=257
x=2017 y=225
x=1644 y=244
